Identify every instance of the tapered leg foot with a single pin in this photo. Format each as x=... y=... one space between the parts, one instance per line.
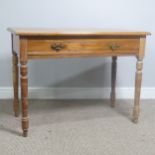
x=113 y=99
x=16 y=109
x=25 y=133
x=16 y=114
x=113 y=80
x=135 y=120
x=136 y=112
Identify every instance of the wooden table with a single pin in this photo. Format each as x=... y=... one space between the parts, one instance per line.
x=51 y=43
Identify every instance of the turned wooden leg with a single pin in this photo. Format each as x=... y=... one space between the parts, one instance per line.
x=138 y=80
x=15 y=83
x=113 y=80
x=24 y=95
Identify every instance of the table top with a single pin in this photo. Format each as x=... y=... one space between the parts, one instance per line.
x=68 y=32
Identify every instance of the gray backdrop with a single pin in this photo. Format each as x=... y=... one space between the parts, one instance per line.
x=79 y=72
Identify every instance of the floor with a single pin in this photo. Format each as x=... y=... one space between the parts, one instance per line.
x=78 y=127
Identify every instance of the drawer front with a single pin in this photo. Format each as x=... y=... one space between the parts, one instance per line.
x=82 y=47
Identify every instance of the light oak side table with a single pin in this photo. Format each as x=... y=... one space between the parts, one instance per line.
x=52 y=43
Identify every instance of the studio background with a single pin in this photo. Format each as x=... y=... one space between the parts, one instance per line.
x=79 y=77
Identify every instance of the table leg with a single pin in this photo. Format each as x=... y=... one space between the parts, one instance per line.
x=15 y=83
x=113 y=80
x=138 y=80
x=24 y=94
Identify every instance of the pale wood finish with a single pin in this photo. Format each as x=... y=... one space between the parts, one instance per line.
x=24 y=99
x=82 y=47
x=142 y=48
x=70 y=32
x=36 y=44
x=23 y=50
x=24 y=85
x=138 y=80
x=113 y=80
x=15 y=83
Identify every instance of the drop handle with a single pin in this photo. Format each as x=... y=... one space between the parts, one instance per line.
x=114 y=46
x=57 y=47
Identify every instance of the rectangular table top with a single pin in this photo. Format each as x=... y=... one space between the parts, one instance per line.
x=69 y=32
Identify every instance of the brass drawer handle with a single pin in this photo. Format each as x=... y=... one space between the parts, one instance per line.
x=57 y=47
x=114 y=46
